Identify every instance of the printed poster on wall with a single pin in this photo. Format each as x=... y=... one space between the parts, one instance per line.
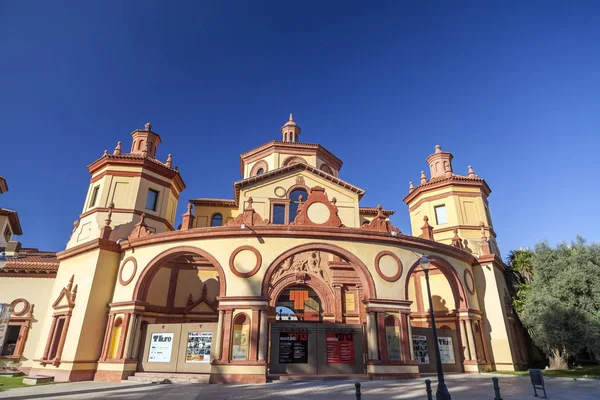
x=241 y=340
x=5 y=311
x=161 y=345
x=446 y=350
x=393 y=342
x=420 y=349
x=339 y=348
x=293 y=347
x=198 y=348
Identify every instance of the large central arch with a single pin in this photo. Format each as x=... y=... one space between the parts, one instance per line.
x=143 y=283
x=359 y=266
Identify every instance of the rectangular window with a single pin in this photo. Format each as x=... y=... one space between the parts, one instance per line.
x=60 y=324
x=151 y=200
x=279 y=214
x=440 y=215
x=12 y=338
x=94 y=196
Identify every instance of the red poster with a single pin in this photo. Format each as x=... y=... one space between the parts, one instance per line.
x=340 y=348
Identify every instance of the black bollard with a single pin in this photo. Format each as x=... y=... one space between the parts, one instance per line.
x=428 y=390
x=357 y=385
x=496 y=389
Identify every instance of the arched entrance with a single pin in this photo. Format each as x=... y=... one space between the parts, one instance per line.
x=455 y=320
x=317 y=323
x=173 y=324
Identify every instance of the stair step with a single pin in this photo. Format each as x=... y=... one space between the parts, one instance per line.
x=151 y=377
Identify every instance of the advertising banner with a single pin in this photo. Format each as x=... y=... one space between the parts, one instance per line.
x=293 y=347
x=198 y=348
x=161 y=345
x=340 y=348
x=5 y=311
x=446 y=350
x=421 y=350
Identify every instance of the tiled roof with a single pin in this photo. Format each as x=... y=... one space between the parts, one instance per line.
x=13 y=218
x=373 y=211
x=129 y=156
x=443 y=180
x=31 y=261
x=213 y=202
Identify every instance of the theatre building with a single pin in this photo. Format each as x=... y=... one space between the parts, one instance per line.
x=289 y=276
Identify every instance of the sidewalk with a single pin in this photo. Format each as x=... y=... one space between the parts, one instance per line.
x=461 y=386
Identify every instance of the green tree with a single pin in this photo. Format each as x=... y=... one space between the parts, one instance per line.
x=561 y=306
x=519 y=275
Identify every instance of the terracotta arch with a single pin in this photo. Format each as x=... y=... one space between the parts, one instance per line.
x=143 y=282
x=461 y=301
x=259 y=164
x=324 y=292
x=361 y=268
x=293 y=160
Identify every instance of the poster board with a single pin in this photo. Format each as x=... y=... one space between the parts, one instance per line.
x=421 y=349
x=446 y=350
x=241 y=341
x=161 y=346
x=339 y=348
x=293 y=347
x=199 y=345
x=392 y=336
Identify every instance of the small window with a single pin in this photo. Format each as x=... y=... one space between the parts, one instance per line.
x=440 y=215
x=260 y=171
x=12 y=337
x=216 y=220
x=7 y=234
x=279 y=214
x=94 y=196
x=151 y=200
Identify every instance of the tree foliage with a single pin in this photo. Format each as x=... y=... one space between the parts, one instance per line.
x=561 y=304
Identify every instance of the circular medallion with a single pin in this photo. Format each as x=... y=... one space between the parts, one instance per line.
x=469 y=281
x=19 y=307
x=127 y=271
x=318 y=213
x=280 y=191
x=388 y=266
x=245 y=261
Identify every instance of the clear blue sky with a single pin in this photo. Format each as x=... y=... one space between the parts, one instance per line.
x=512 y=89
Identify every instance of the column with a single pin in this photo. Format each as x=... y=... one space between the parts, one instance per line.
x=373 y=348
x=131 y=333
x=219 y=336
x=264 y=333
x=410 y=342
x=463 y=338
x=124 y=334
x=226 y=338
x=469 y=329
x=338 y=303
x=254 y=335
x=406 y=339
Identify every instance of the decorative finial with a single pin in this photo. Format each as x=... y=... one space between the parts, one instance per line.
x=485 y=244
x=438 y=148
x=410 y=187
x=471 y=172
x=250 y=201
x=108 y=219
x=423 y=177
x=105 y=153
x=426 y=229
x=169 y=160
x=145 y=151
x=189 y=208
x=334 y=200
x=142 y=219
x=300 y=198
x=117 y=151
x=291 y=117
x=148 y=126
x=447 y=172
x=482 y=226
x=70 y=284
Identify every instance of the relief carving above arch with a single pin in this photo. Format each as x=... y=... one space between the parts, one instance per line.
x=301 y=264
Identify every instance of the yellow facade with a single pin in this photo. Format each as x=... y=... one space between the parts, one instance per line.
x=140 y=282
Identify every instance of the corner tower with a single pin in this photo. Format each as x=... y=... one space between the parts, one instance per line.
x=129 y=185
x=456 y=207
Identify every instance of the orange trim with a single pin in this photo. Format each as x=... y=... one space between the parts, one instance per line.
x=256 y=266
x=129 y=211
x=394 y=277
x=445 y=195
x=454 y=180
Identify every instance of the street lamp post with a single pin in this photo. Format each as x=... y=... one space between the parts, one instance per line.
x=442 y=390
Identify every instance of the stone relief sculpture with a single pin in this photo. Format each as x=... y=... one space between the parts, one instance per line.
x=307 y=262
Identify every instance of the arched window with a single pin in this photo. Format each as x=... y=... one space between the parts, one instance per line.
x=260 y=171
x=140 y=143
x=296 y=197
x=392 y=334
x=216 y=220
x=114 y=338
x=240 y=337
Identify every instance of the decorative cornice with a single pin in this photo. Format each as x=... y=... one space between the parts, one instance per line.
x=100 y=244
x=375 y=211
x=381 y=223
x=214 y=202
x=440 y=182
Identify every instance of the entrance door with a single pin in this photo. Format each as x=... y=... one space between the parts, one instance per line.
x=424 y=350
x=179 y=347
x=316 y=348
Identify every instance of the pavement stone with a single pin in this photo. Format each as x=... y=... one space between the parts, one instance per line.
x=461 y=386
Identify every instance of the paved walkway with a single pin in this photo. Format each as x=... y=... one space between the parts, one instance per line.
x=462 y=387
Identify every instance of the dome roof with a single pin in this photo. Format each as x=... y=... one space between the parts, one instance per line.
x=290 y=122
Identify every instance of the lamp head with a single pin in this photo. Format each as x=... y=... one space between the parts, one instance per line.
x=425 y=263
